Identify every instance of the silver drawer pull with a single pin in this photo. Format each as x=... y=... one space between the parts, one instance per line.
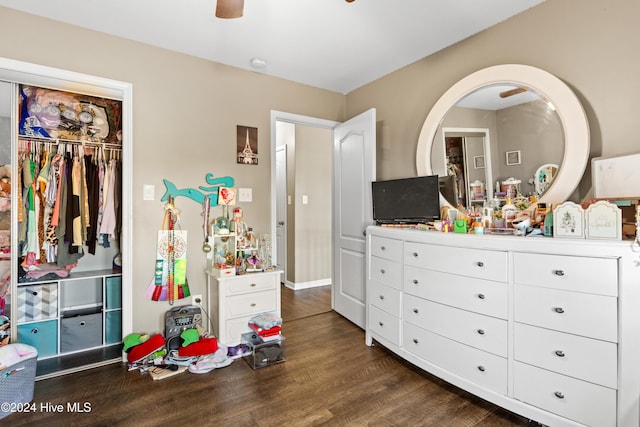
x=480 y=264
x=481 y=296
x=83 y=323
x=480 y=331
x=382 y=270
x=559 y=353
x=559 y=394
x=34 y=293
x=381 y=323
x=415 y=310
x=253 y=304
x=415 y=254
x=34 y=331
x=415 y=341
x=381 y=296
x=253 y=285
x=558 y=273
x=558 y=310
x=383 y=248
x=481 y=368
x=415 y=281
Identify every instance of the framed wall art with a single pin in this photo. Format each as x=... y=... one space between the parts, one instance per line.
x=513 y=157
x=569 y=221
x=478 y=162
x=603 y=221
x=247 y=145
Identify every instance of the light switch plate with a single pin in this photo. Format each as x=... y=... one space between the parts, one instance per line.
x=148 y=192
x=245 y=194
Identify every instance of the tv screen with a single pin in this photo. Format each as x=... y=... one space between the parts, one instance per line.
x=407 y=200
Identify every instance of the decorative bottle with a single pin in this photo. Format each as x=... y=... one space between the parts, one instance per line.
x=222 y=223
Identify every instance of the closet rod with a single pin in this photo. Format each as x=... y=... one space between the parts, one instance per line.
x=69 y=141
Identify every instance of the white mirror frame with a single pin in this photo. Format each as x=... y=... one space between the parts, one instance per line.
x=568 y=107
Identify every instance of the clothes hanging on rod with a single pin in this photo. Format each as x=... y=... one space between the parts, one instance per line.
x=69 y=199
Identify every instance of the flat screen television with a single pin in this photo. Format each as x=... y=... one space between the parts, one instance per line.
x=406 y=201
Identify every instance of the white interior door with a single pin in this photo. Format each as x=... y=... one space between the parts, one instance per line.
x=281 y=210
x=354 y=169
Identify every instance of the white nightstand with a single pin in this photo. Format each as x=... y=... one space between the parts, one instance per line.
x=233 y=300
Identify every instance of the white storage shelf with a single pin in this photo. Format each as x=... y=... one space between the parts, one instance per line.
x=73 y=314
x=544 y=327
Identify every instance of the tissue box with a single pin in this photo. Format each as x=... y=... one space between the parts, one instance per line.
x=263 y=353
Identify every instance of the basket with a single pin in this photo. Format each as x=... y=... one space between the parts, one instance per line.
x=16 y=383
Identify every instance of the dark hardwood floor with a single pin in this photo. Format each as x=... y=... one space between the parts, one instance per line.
x=330 y=377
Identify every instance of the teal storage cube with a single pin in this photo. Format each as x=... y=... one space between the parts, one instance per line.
x=113 y=327
x=41 y=335
x=113 y=292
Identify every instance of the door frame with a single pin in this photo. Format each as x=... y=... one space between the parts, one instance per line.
x=278 y=200
x=297 y=119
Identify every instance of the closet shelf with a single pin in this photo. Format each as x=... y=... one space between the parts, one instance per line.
x=69 y=141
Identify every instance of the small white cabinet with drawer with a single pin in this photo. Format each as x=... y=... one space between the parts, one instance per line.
x=545 y=327
x=234 y=300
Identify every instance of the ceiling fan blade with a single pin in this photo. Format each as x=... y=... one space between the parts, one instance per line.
x=514 y=91
x=228 y=9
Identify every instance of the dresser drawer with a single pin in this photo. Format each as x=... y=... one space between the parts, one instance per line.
x=478 y=295
x=490 y=265
x=385 y=271
x=384 y=325
x=579 y=357
x=581 y=401
x=477 y=366
x=589 y=315
x=385 y=298
x=254 y=303
x=383 y=247
x=250 y=283
x=571 y=273
x=233 y=330
x=477 y=330
x=37 y=302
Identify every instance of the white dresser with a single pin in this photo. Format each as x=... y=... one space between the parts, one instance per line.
x=234 y=300
x=547 y=328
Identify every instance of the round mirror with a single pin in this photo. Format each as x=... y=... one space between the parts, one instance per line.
x=503 y=125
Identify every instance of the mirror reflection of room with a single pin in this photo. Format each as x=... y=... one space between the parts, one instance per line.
x=522 y=140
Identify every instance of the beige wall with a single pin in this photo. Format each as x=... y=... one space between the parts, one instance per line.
x=309 y=152
x=184 y=126
x=313 y=220
x=591 y=45
x=186 y=109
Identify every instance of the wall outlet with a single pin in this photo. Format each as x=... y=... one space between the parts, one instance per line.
x=196 y=300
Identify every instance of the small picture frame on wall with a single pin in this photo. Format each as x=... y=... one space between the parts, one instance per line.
x=478 y=162
x=568 y=221
x=513 y=158
x=603 y=221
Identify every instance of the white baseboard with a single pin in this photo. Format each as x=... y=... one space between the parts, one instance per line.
x=306 y=285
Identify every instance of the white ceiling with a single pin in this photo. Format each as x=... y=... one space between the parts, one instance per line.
x=330 y=44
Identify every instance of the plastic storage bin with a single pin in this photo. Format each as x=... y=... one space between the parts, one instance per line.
x=263 y=353
x=17 y=380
